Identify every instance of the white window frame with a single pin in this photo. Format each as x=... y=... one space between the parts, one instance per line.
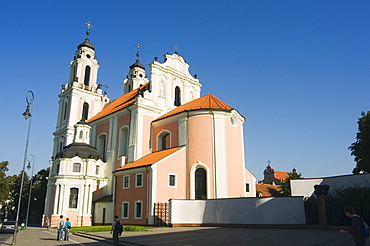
x=169 y=180
x=128 y=210
x=141 y=211
x=142 y=181
x=128 y=183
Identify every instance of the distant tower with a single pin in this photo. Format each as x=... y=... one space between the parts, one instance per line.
x=81 y=98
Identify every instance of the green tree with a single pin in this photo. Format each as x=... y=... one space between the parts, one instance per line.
x=4 y=188
x=361 y=148
x=285 y=185
x=14 y=183
x=38 y=195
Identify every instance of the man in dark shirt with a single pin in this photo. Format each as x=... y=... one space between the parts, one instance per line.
x=355 y=229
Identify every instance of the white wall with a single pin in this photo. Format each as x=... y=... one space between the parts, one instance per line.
x=272 y=210
x=305 y=187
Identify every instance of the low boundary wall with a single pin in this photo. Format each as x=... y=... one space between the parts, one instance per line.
x=234 y=211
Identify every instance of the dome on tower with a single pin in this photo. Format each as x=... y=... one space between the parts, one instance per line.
x=86 y=43
x=137 y=64
x=82 y=150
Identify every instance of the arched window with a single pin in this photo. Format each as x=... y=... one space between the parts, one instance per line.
x=200 y=184
x=177 y=96
x=81 y=135
x=65 y=111
x=123 y=142
x=129 y=87
x=85 y=111
x=101 y=142
x=87 y=75
x=164 y=141
x=73 y=197
x=76 y=167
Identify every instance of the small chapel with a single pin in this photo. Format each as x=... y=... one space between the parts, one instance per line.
x=160 y=140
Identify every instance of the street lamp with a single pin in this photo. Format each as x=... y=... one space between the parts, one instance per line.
x=29 y=195
x=27 y=115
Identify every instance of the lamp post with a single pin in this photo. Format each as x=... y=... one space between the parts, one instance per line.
x=27 y=115
x=29 y=195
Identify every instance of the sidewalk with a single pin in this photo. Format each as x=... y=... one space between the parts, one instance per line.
x=189 y=236
x=181 y=236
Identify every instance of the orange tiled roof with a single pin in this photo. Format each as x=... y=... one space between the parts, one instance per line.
x=150 y=159
x=281 y=175
x=206 y=102
x=120 y=103
x=267 y=190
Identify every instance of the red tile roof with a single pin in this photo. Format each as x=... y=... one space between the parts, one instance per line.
x=267 y=190
x=150 y=159
x=206 y=102
x=281 y=175
x=120 y=103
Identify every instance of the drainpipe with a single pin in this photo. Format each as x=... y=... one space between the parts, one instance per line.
x=214 y=155
x=114 y=191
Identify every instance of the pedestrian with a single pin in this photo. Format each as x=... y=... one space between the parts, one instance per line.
x=60 y=228
x=117 y=230
x=66 y=228
x=355 y=229
x=47 y=223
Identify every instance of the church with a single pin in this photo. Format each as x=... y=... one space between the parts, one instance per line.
x=160 y=140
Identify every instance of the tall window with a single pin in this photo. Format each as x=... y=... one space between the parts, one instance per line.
x=200 y=184
x=97 y=169
x=85 y=111
x=125 y=207
x=139 y=180
x=123 y=142
x=177 y=96
x=73 y=197
x=164 y=141
x=101 y=142
x=138 y=209
x=126 y=182
x=87 y=75
x=76 y=167
x=65 y=111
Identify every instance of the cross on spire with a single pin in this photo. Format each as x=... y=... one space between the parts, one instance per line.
x=176 y=49
x=88 y=24
x=138 y=49
x=106 y=89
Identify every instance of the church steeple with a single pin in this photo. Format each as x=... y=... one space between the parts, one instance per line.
x=136 y=75
x=82 y=97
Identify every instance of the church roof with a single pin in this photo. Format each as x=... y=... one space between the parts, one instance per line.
x=150 y=159
x=120 y=103
x=281 y=175
x=206 y=102
x=81 y=150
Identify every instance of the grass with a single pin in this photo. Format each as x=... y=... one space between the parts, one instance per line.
x=108 y=228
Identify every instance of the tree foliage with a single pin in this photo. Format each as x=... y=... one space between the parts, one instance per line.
x=4 y=188
x=285 y=185
x=361 y=148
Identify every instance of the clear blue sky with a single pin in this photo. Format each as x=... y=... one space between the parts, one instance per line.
x=298 y=71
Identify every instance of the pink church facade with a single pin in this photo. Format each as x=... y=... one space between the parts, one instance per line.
x=159 y=141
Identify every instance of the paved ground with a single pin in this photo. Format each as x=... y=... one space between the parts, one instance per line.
x=189 y=236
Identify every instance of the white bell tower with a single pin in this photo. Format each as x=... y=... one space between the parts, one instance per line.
x=82 y=97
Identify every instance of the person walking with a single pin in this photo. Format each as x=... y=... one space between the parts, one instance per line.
x=355 y=229
x=60 y=228
x=47 y=223
x=66 y=228
x=116 y=229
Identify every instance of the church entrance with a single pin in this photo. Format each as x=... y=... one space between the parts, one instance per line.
x=200 y=184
